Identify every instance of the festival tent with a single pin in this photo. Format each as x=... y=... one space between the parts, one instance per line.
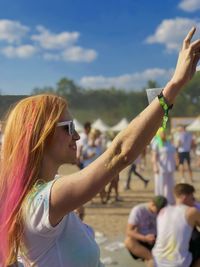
x=194 y=126
x=78 y=126
x=120 y=125
x=100 y=125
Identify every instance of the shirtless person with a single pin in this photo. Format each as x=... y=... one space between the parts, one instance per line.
x=175 y=245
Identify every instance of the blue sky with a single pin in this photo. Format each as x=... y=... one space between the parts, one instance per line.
x=104 y=43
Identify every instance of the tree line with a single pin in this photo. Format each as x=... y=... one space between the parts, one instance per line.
x=113 y=104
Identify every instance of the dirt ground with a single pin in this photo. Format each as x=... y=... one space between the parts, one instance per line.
x=111 y=219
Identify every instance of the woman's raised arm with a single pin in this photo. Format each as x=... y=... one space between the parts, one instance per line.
x=70 y=192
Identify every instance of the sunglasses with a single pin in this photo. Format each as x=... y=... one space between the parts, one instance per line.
x=68 y=126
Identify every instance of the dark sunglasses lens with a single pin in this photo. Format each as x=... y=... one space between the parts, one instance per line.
x=66 y=128
x=70 y=129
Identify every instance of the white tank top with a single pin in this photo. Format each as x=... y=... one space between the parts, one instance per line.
x=173 y=237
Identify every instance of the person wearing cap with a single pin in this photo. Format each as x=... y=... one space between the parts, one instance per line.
x=141 y=229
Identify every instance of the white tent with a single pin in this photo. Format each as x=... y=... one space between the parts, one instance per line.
x=78 y=126
x=194 y=126
x=120 y=125
x=100 y=125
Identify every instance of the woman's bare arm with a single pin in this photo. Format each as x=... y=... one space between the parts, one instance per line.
x=70 y=192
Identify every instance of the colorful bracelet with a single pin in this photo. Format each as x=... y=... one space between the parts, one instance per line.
x=166 y=107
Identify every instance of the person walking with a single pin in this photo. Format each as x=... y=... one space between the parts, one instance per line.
x=133 y=169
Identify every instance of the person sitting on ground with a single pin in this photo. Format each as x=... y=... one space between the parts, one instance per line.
x=175 y=243
x=141 y=228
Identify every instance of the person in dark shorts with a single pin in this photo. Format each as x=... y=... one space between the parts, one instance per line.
x=141 y=228
x=185 y=144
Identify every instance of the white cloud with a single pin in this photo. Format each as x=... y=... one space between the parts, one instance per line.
x=128 y=81
x=52 y=57
x=189 y=5
x=171 y=32
x=23 y=51
x=77 y=53
x=49 y=40
x=51 y=46
x=12 y=31
x=74 y=53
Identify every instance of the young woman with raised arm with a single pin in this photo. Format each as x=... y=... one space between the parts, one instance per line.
x=37 y=220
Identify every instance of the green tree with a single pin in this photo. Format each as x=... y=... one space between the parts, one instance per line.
x=192 y=89
x=66 y=87
x=151 y=84
x=45 y=89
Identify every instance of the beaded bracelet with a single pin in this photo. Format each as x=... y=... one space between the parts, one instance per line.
x=166 y=107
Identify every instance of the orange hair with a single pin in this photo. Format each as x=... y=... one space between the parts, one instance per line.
x=29 y=126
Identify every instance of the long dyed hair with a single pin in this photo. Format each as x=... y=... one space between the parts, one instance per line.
x=29 y=127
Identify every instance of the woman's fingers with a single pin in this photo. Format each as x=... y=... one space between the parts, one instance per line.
x=188 y=38
x=196 y=59
x=195 y=45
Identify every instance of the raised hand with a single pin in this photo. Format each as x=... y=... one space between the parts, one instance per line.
x=189 y=56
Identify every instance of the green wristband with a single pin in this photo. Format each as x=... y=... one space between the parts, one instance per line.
x=166 y=107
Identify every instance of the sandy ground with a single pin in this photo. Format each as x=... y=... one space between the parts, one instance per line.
x=111 y=219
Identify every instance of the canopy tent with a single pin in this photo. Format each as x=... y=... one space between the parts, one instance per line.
x=120 y=125
x=78 y=126
x=100 y=125
x=194 y=126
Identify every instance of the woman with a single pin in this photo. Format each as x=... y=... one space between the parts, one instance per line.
x=36 y=218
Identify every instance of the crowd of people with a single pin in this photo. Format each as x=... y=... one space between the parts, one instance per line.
x=168 y=154
x=37 y=218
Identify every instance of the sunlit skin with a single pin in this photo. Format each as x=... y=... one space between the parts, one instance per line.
x=61 y=149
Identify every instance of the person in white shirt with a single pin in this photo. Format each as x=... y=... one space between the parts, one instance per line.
x=164 y=165
x=92 y=149
x=141 y=229
x=82 y=142
x=37 y=219
x=184 y=146
x=175 y=226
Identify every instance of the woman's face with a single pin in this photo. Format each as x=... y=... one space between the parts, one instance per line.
x=62 y=147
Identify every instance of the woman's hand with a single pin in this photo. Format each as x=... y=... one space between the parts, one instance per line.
x=187 y=60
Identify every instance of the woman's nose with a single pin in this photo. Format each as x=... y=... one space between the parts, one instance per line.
x=76 y=136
